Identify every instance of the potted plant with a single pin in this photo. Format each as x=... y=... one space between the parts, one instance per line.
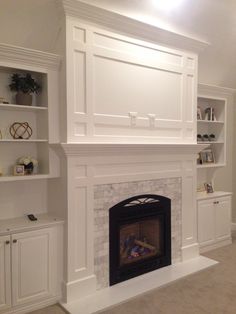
x=24 y=85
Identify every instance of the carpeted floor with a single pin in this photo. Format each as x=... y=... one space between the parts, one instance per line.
x=212 y=291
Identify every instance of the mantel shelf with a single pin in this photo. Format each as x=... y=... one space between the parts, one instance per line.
x=71 y=149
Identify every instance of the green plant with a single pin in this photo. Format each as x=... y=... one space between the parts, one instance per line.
x=24 y=83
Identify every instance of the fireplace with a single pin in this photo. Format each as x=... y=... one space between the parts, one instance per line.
x=140 y=236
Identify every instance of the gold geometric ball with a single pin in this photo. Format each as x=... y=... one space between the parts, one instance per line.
x=21 y=130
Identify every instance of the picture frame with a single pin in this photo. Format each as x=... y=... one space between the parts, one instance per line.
x=207 y=156
x=208 y=187
x=199 y=113
x=19 y=170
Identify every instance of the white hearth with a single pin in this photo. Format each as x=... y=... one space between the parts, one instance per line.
x=129 y=289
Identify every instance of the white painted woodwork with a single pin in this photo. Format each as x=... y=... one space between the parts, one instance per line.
x=223 y=218
x=31 y=266
x=5 y=273
x=214 y=220
x=218 y=127
x=107 y=298
x=130 y=116
x=31 y=263
x=94 y=164
x=206 y=222
x=111 y=78
x=134 y=27
x=42 y=116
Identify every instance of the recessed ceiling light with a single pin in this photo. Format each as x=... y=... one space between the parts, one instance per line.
x=167 y=5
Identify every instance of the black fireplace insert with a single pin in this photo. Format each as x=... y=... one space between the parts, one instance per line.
x=140 y=236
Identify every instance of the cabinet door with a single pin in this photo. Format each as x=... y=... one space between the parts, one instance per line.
x=206 y=222
x=5 y=273
x=32 y=260
x=223 y=218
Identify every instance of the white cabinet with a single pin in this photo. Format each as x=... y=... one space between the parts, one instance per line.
x=28 y=268
x=214 y=221
x=5 y=273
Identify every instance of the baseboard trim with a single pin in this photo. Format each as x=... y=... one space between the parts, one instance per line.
x=216 y=245
x=33 y=307
x=233 y=226
x=190 y=251
x=79 y=288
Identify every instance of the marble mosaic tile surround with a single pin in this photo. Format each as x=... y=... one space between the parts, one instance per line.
x=108 y=195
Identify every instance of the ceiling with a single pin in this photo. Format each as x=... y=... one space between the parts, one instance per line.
x=36 y=24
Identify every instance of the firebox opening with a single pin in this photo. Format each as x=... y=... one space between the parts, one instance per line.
x=140 y=236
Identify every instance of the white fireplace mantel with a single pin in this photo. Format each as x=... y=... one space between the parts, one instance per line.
x=93 y=149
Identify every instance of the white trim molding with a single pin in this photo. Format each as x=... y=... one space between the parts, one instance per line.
x=131 y=26
x=233 y=226
x=94 y=149
x=29 y=57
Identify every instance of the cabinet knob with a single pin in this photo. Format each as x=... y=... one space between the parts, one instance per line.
x=216 y=202
x=7 y=242
x=14 y=241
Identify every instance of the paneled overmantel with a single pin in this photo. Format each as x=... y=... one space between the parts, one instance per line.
x=124 y=82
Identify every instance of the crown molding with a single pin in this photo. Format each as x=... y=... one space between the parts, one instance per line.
x=131 y=26
x=101 y=149
x=21 y=55
x=224 y=91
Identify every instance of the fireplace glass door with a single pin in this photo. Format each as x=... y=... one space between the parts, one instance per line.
x=140 y=240
x=140 y=236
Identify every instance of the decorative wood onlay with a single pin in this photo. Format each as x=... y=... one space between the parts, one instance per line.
x=21 y=55
x=131 y=26
x=96 y=149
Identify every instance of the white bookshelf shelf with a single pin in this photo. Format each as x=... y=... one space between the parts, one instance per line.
x=24 y=141
x=24 y=178
x=22 y=108
x=210 y=122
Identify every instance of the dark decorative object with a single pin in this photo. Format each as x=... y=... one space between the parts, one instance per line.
x=199 y=138
x=205 y=138
x=24 y=85
x=29 y=168
x=212 y=138
x=140 y=236
x=21 y=130
x=208 y=187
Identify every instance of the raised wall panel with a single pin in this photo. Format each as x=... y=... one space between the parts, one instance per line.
x=5 y=273
x=138 y=50
x=123 y=87
x=120 y=88
x=80 y=232
x=32 y=264
x=80 y=82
